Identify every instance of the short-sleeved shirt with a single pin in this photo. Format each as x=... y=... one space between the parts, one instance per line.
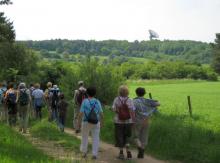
x=38 y=93
x=87 y=105
x=144 y=108
x=117 y=103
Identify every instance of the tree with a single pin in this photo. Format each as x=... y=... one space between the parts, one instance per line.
x=7 y=32
x=5 y=2
x=216 y=54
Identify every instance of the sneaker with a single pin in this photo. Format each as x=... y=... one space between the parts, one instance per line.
x=121 y=156
x=129 y=155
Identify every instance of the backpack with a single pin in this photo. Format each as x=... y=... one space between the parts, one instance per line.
x=23 y=98
x=2 y=94
x=92 y=116
x=123 y=110
x=81 y=96
x=55 y=98
x=11 y=98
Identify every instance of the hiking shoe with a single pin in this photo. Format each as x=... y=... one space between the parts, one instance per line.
x=94 y=157
x=77 y=131
x=121 y=156
x=84 y=155
x=129 y=155
x=140 y=153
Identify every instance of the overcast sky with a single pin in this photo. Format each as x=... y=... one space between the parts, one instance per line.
x=114 y=19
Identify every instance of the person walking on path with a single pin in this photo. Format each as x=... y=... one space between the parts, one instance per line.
x=10 y=99
x=23 y=101
x=38 y=96
x=90 y=117
x=144 y=109
x=54 y=99
x=48 y=100
x=79 y=96
x=32 y=109
x=62 y=109
x=3 y=112
x=124 y=108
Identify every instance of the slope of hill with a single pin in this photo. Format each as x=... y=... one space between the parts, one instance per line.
x=189 y=51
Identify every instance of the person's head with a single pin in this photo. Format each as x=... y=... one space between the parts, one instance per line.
x=49 y=85
x=62 y=96
x=123 y=91
x=91 y=91
x=22 y=85
x=80 y=83
x=140 y=92
x=37 y=86
x=10 y=85
x=55 y=86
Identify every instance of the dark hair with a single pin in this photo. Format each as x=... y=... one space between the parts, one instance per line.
x=10 y=85
x=140 y=91
x=91 y=91
x=61 y=96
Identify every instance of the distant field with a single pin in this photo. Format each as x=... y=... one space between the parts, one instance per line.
x=173 y=134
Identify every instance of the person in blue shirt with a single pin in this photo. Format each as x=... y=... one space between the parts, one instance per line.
x=90 y=109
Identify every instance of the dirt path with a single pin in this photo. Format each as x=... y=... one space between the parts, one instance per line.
x=108 y=153
x=53 y=149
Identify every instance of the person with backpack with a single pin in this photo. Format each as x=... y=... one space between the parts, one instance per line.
x=54 y=98
x=23 y=101
x=48 y=100
x=124 y=118
x=90 y=117
x=10 y=100
x=38 y=96
x=62 y=109
x=3 y=90
x=79 y=96
x=144 y=109
x=32 y=109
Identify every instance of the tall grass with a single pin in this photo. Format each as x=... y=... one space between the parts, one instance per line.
x=173 y=134
x=14 y=148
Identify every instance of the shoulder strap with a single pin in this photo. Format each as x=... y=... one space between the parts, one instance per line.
x=122 y=102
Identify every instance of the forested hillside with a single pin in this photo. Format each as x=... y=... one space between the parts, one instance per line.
x=189 y=51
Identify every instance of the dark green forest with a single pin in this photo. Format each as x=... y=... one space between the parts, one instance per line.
x=188 y=51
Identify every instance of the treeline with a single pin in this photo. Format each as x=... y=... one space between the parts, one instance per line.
x=167 y=70
x=189 y=51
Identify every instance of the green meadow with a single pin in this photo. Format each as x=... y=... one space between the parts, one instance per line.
x=174 y=135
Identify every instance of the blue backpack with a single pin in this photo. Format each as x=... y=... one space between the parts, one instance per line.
x=11 y=98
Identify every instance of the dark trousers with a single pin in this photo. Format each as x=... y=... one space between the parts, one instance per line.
x=38 y=112
x=122 y=134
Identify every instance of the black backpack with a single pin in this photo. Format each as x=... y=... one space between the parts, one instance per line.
x=55 y=98
x=92 y=116
x=11 y=98
x=23 y=98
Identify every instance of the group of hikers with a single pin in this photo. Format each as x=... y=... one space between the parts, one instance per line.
x=131 y=118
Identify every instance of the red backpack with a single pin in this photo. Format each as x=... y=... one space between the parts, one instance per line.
x=123 y=110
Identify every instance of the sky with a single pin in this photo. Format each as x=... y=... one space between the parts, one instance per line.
x=114 y=19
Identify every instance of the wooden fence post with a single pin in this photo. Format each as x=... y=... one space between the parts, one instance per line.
x=150 y=96
x=189 y=105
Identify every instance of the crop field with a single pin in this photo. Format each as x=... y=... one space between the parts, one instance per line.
x=174 y=135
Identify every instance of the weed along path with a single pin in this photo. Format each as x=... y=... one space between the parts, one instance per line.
x=51 y=148
x=108 y=153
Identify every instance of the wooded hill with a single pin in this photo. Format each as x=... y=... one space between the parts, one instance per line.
x=188 y=51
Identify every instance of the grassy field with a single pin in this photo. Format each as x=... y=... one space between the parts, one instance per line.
x=14 y=148
x=173 y=134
